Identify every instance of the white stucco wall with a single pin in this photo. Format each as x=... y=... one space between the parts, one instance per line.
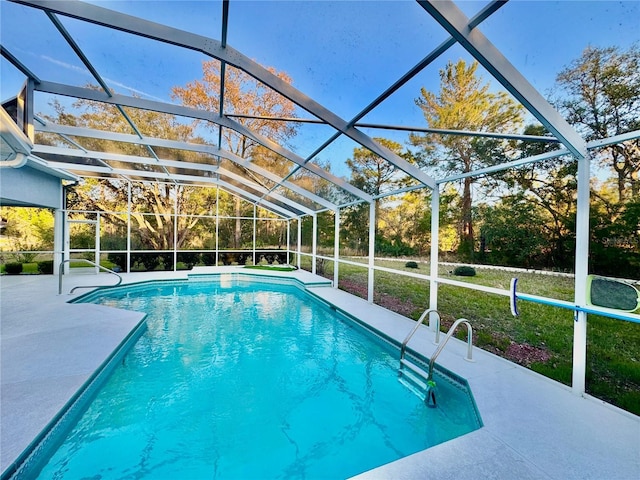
x=27 y=186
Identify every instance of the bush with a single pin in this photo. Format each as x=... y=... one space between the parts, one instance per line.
x=208 y=258
x=411 y=265
x=13 y=268
x=464 y=271
x=189 y=259
x=146 y=261
x=118 y=259
x=394 y=248
x=45 y=267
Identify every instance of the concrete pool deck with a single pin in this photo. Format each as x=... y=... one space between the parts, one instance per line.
x=534 y=428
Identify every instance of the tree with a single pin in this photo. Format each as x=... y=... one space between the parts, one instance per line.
x=152 y=209
x=465 y=103
x=602 y=90
x=27 y=229
x=253 y=103
x=514 y=232
x=550 y=187
x=406 y=222
x=154 y=203
x=615 y=234
x=375 y=175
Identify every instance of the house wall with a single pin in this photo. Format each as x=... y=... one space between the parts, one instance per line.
x=28 y=187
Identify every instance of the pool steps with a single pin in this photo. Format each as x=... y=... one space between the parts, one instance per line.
x=415 y=378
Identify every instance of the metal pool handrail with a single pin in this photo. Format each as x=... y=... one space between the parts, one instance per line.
x=84 y=286
x=446 y=339
x=415 y=328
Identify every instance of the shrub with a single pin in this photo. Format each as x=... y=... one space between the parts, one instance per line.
x=464 y=271
x=226 y=258
x=411 y=265
x=148 y=261
x=45 y=267
x=243 y=257
x=13 y=268
x=118 y=259
x=189 y=259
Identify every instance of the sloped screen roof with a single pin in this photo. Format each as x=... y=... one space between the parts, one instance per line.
x=134 y=89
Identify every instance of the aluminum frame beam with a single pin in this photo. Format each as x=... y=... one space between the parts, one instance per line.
x=49 y=150
x=506 y=166
x=87 y=63
x=213 y=48
x=135 y=102
x=18 y=64
x=442 y=131
x=259 y=188
x=185 y=178
x=421 y=65
x=179 y=145
x=456 y=23
x=120 y=157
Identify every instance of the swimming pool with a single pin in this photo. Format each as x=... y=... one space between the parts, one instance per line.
x=250 y=380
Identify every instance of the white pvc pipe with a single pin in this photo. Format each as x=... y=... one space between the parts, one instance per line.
x=217 y=224
x=175 y=229
x=288 y=241
x=314 y=244
x=433 y=262
x=299 y=241
x=578 y=383
x=336 y=248
x=128 y=265
x=58 y=239
x=254 y=232
x=97 y=242
x=372 y=251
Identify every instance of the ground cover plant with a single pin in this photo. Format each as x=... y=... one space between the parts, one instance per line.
x=279 y=268
x=541 y=338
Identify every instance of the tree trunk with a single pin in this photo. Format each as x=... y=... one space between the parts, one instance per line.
x=466 y=227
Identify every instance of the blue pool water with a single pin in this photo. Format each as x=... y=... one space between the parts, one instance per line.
x=249 y=381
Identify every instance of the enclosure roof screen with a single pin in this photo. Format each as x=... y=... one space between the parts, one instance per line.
x=270 y=100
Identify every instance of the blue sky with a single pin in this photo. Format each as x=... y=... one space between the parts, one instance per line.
x=341 y=54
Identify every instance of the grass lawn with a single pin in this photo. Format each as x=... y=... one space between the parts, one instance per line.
x=541 y=338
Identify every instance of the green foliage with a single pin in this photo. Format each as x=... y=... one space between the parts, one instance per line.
x=411 y=264
x=464 y=271
x=28 y=229
x=601 y=97
x=145 y=261
x=119 y=259
x=45 y=267
x=615 y=239
x=465 y=249
x=512 y=232
x=277 y=268
x=25 y=257
x=354 y=231
x=465 y=102
x=189 y=259
x=393 y=248
x=13 y=268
